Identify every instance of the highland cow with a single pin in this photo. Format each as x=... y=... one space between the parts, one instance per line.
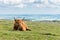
x=20 y=25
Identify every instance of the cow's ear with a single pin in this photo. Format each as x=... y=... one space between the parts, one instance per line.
x=14 y=19
x=23 y=18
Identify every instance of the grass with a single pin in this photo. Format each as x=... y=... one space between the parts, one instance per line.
x=40 y=31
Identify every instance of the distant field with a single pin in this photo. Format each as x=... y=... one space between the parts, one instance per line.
x=40 y=31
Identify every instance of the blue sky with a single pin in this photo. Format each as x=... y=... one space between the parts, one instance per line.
x=29 y=6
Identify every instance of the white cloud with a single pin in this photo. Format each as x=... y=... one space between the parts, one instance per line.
x=15 y=3
x=12 y=3
x=25 y=3
x=56 y=2
x=21 y=5
x=49 y=4
x=40 y=6
x=28 y=1
x=53 y=6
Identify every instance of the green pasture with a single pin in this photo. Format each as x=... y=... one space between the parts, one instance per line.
x=39 y=31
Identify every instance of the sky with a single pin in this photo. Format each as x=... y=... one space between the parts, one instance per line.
x=29 y=6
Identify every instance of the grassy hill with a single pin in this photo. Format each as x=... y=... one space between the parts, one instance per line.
x=40 y=31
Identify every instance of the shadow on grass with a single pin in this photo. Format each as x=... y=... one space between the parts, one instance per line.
x=11 y=29
x=49 y=34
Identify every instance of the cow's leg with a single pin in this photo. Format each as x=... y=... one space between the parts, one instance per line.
x=23 y=29
x=19 y=28
x=27 y=29
x=15 y=28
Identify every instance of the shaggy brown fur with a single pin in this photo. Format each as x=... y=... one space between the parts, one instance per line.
x=20 y=25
